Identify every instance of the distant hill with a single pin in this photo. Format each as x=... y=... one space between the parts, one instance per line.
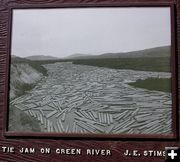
x=41 y=57
x=152 y=52
x=17 y=59
x=164 y=51
x=77 y=55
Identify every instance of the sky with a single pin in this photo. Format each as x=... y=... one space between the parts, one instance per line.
x=66 y=31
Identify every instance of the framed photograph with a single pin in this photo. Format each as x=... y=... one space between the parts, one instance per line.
x=89 y=71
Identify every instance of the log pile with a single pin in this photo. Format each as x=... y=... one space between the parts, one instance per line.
x=87 y=99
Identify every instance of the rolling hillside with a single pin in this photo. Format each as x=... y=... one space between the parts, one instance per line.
x=150 y=53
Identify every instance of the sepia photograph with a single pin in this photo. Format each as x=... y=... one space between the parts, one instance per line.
x=91 y=71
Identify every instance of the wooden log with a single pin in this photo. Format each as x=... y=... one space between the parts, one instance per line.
x=84 y=114
x=90 y=106
x=123 y=130
x=148 y=117
x=118 y=107
x=135 y=111
x=41 y=119
x=102 y=117
x=55 y=106
x=58 y=126
x=60 y=123
x=42 y=112
x=91 y=114
x=51 y=126
x=88 y=115
x=100 y=120
x=63 y=116
x=59 y=114
x=105 y=117
x=30 y=112
x=120 y=125
x=120 y=116
x=152 y=129
x=142 y=115
x=94 y=114
x=149 y=124
x=67 y=129
x=131 y=131
x=45 y=123
x=51 y=114
x=97 y=128
x=38 y=116
x=110 y=118
x=19 y=107
x=74 y=127
x=79 y=114
x=85 y=126
x=137 y=125
x=59 y=105
x=55 y=127
x=109 y=129
x=110 y=111
x=48 y=126
x=89 y=121
x=127 y=115
x=34 y=114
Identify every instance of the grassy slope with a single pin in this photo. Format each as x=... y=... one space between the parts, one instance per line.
x=20 y=121
x=161 y=64
x=157 y=84
x=35 y=64
x=24 y=88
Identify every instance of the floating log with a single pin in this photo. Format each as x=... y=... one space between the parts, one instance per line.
x=60 y=123
x=51 y=114
x=100 y=120
x=109 y=129
x=30 y=112
x=41 y=118
x=55 y=106
x=74 y=127
x=67 y=129
x=63 y=116
x=48 y=126
x=110 y=118
x=120 y=116
x=149 y=117
x=121 y=130
x=45 y=123
x=89 y=121
x=55 y=127
x=38 y=116
x=94 y=114
x=59 y=114
x=41 y=111
x=51 y=127
x=91 y=114
x=149 y=124
x=105 y=117
x=79 y=114
x=59 y=127
x=85 y=126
